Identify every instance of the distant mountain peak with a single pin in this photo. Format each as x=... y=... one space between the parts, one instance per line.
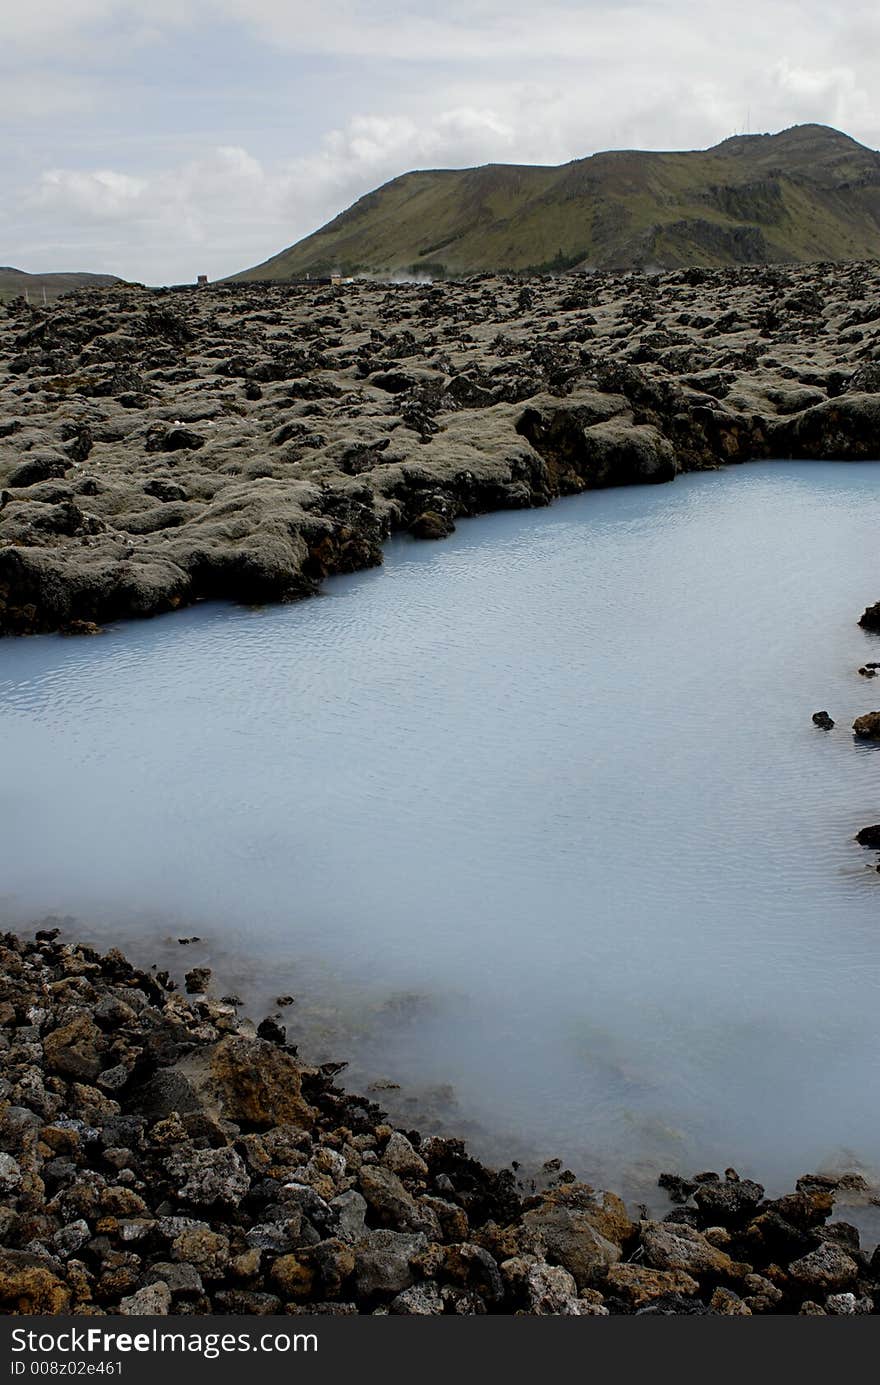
x=806 y=193
x=15 y=282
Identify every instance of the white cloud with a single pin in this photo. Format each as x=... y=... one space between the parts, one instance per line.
x=392 y=86
x=225 y=210
x=102 y=195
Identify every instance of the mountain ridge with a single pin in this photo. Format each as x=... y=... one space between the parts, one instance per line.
x=14 y=282
x=807 y=193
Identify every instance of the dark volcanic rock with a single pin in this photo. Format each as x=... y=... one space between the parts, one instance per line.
x=870 y=617
x=430 y=524
x=728 y=1202
x=287 y=434
x=173 y=439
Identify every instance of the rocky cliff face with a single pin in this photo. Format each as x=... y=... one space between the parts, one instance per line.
x=158 y=447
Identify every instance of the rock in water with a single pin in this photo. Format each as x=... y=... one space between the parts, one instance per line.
x=870 y=618
x=869 y=836
x=197 y=980
x=867 y=727
x=823 y=720
x=431 y=525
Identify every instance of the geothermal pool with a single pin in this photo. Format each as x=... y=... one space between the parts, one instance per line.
x=534 y=823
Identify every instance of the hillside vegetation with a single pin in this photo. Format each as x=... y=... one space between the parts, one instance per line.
x=809 y=193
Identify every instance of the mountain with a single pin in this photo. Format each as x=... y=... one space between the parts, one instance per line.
x=808 y=193
x=15 y=281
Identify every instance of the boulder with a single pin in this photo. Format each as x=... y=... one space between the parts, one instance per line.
x=870 y=617
x=551 y=1291
x=161 y=439
x=639 y=1284
x=383 y=1261
x=587 y=447
x=197 y=980
x=843 y=429
x=253 y=1082
x=207 y=1252
x=35 y=468
x=846 y=1305
x=548 y=1290
x=153 y=1300
x=205 y=1177
x=292 y=1278
x=727 y=1304
x=430 y=524
x=729 y=1202
x=10 y=1174
x=867 y=727
x=332 y=1261
x=826 y=1270
x=350 y=1210
x=674 y=1246
x=28 y=1285
x=72 y=1049
x=421 y=1300
x=400 y=1157
x=579 y=1229
x=184 y=1281
x=391 y=1203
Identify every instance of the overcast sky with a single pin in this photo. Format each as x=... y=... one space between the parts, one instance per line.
x=159 y=141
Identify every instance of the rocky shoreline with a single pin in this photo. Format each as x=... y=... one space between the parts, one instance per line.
x=159 y=1154
x=161 y=447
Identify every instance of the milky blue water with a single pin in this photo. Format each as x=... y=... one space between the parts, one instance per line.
x=538 y=813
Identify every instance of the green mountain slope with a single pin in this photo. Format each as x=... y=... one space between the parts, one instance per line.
x=14 y=282
x=808 y=193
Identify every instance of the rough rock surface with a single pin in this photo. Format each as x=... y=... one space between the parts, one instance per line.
x=244 y=441
x=216 y=1172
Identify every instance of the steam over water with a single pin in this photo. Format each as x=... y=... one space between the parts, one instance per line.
x=538 y=813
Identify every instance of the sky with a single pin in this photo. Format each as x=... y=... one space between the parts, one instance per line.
x=181 y=137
